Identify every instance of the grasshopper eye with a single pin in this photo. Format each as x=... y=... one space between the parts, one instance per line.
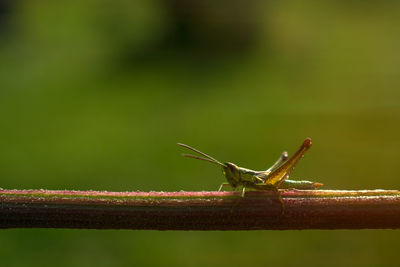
x=232 y=167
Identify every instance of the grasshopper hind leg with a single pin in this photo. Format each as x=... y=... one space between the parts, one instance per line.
x=266 y=187
x=284 y=156
x=279 y=198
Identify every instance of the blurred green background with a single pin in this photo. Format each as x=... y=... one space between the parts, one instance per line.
x=96 y=94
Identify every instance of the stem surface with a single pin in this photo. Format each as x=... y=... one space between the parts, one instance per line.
x=304 y=209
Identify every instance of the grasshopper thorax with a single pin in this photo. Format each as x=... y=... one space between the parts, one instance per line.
x=232 y=174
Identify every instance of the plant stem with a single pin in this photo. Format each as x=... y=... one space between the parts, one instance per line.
x=304 y=209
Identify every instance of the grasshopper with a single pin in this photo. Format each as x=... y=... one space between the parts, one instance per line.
x=271 y=179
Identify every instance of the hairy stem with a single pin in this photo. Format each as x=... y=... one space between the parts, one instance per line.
x=304 y=209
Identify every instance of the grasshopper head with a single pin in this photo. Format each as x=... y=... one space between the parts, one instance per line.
x=230 y=170
x=232 y=174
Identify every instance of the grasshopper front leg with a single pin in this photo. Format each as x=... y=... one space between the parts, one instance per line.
x=240 y=199
x=222 y=185
x=243 y=191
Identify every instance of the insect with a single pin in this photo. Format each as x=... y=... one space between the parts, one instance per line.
x=271 y=179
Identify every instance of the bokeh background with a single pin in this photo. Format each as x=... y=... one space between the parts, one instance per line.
x=96 y=94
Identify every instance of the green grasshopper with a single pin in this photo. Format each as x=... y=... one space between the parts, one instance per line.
x=271 y=179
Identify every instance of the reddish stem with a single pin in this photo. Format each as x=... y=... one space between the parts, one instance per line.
x=304 y=209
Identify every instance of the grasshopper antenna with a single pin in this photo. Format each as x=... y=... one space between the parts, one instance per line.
x=207 y=157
